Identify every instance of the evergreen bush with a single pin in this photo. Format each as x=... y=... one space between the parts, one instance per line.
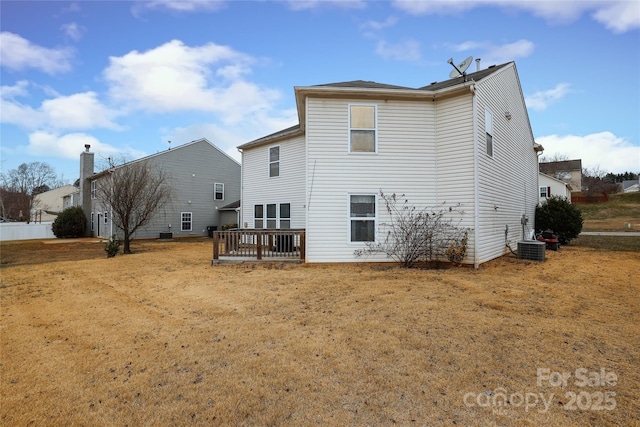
x=560 y=216
x=71 y=222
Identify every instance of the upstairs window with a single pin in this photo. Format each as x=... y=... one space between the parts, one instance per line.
x=362 y=218
x=545 y=192
x=218 y=191
x=186 y=221
x=258 y=216
x=488 y=128
x=94 y=189
x=362 y=128
x=274 y=161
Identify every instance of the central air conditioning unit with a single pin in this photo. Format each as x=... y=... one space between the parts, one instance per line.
x=531 y=249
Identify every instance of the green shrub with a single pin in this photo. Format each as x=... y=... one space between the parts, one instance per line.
x=71 y=222
x=560 y=216
x=112 y=247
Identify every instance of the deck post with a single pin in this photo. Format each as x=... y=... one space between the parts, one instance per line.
x=303 y=245
x=216 y=241
x=259 y=245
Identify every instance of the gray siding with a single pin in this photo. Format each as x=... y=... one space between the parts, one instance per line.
x=193 y=169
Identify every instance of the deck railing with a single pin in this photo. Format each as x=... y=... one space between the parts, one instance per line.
x=259 y=243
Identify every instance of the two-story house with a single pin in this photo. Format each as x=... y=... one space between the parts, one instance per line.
x=204 y=179
x=463 y=142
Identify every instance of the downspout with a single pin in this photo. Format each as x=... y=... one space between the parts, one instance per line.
x=239 y=217
x=476 y=207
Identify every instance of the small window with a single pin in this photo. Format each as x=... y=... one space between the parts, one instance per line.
x=94 y=189
x=488 y=127
x=218 y=191
x=92 y=219
x=362 y=218
x=186 y=221
x=274 y=161
x=545 y=192
x=362 y=129
x=271 y=216
x=285 y=215
x=258 y=216
x=106 y=218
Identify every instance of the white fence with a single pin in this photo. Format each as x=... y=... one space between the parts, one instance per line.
x=23 y=231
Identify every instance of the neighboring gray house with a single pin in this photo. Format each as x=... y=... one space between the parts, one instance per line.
x=205 y=182
x=460 y=141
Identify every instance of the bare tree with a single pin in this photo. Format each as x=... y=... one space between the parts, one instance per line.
x=21 y=185
x=134 y=192
x=419 y=235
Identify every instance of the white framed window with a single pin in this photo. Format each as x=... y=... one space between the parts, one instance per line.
x=92 y=219
x=277 y=215
x=545 y=192
x=186 y=221
x=258 y=216
x=218 y=191
x=94 y=189
x=363 y=128
x=272 y=217
x=362 y=217
x=488 y=128
x=106 y=218
x=274 y=161
x=285 y=215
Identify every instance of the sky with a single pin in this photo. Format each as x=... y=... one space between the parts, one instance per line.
x=132 y=78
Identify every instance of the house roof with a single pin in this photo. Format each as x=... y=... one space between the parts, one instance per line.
x=563 y=165
x=231 y=206
x=196 y=141
x=363 y=88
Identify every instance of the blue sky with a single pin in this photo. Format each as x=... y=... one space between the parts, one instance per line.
x=127 y=77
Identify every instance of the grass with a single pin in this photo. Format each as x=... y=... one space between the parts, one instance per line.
x=609 y=243
x=613 y=214
x=162 y=338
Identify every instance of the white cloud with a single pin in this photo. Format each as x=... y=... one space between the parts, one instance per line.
x=604 y=150
x=379 y=25
x=542 y=99
x=18 y=54
x=407 y=50
x=175 y=77
x=69 y=146
x=73 y=30
x=178 y=5
x=618 y=16
x=493 y=54
x=73 y=112
x=314 y=4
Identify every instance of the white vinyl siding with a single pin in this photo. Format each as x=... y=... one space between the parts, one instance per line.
x=404 y=164
x=508 y=181
x=288 y=188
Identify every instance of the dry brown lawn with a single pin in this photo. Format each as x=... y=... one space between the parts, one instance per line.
x=160 y=337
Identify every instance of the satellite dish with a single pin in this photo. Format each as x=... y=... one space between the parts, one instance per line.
x=460 y=68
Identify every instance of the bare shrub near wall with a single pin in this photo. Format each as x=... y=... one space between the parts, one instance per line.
x=419 y=235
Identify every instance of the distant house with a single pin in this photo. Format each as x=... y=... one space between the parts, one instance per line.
x=463 y=142
x=550 y=186
x=48 y=205
x=569 y=171
x=204 y=180
x=631 y=186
